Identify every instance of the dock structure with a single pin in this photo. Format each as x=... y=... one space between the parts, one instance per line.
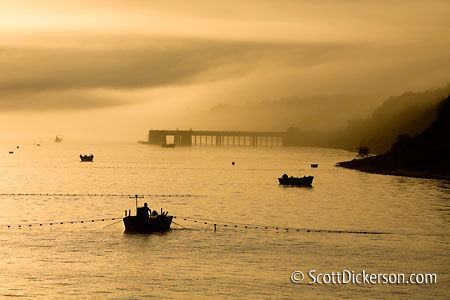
x=216 y=138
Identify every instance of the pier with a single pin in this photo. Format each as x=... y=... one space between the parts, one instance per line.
x=216 y=138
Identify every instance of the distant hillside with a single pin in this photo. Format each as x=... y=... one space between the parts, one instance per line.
x=423 y=155
x=322 y=113
x=409 y=113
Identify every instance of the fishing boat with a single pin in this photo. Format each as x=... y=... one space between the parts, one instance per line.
x=87 y=157
x=58 y=139
x=314 y=165
x=296 y=181
x=168 y=145
x=147 y=224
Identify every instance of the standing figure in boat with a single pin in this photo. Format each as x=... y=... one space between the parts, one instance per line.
x=146 y=221
x=144 y=211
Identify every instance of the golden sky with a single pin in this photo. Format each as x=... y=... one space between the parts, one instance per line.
x=123 y=67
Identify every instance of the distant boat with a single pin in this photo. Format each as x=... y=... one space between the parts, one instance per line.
x=58 y=139
x=314 y=165
x=145 y=224
x=168 y=145
x=11 y=152
x=87 y=157
x=297 y=181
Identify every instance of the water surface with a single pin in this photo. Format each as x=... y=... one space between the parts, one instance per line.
x=96 y=261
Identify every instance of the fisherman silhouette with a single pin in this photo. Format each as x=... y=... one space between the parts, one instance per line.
x=143 y=211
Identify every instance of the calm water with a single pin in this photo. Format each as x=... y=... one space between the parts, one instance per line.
x=97 y=261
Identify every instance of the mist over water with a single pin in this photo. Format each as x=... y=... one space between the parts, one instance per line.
x=96 y=261
x=72 y=69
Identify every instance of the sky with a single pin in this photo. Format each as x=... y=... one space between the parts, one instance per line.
x=114 y=69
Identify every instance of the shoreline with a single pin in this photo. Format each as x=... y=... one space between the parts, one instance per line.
x=356 y=164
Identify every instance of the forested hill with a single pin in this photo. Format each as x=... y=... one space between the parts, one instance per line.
x=409 y=113
x=424 y=155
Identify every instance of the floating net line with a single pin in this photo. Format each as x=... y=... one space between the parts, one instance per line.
x=225 y=224
x=215 y=223
x=102 y=195
x=51 y=223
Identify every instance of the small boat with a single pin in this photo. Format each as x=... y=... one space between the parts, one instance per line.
x=87 y=157
x=58 y=139
x=314 y=165
x=297 y=181
x=145 y=224
x=168 y=145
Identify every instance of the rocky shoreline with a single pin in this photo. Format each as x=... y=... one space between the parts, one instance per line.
x=358 y=164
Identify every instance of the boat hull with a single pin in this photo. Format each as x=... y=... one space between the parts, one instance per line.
x=297 y=181
x=86 y=157
x=168 y=145
x=147 y=225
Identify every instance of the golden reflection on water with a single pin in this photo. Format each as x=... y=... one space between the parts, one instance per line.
x=94 y=260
